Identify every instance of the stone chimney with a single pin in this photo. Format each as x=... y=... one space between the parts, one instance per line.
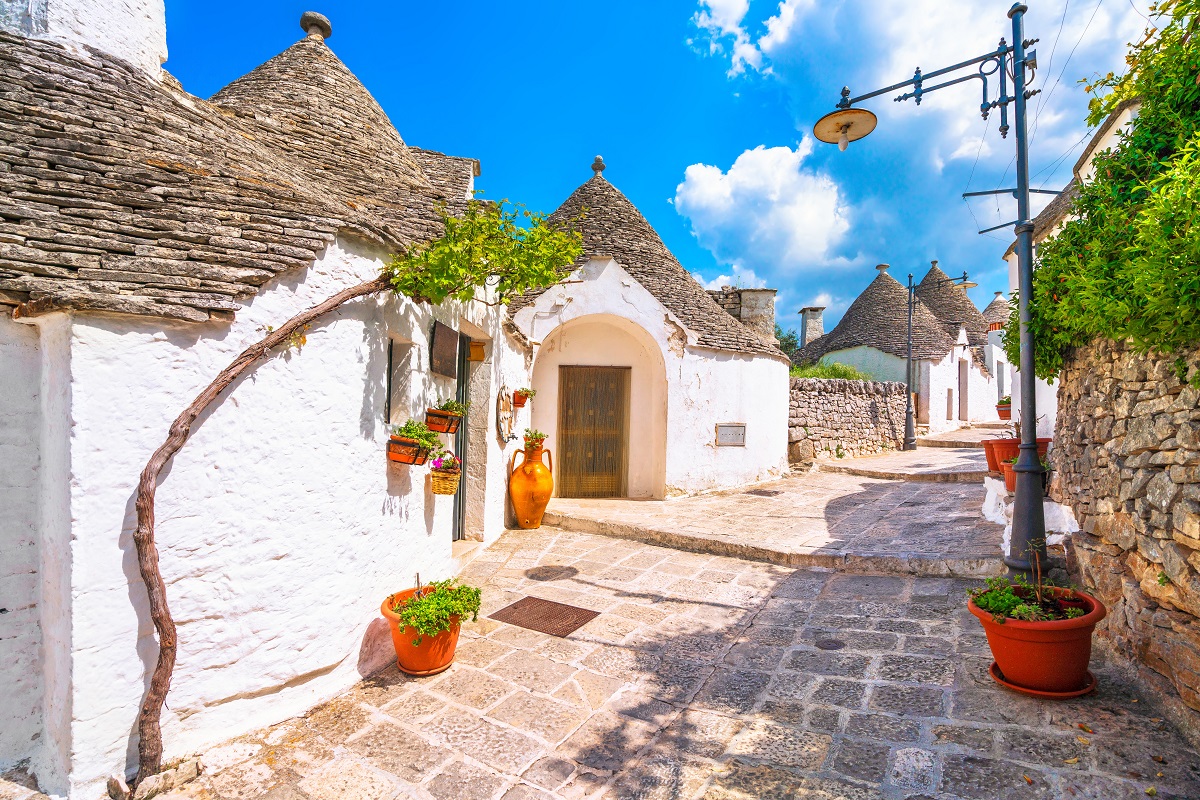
x=812 y=326
x=758 y=312
x=132 y=30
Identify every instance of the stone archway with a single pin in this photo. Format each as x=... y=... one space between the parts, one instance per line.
x=604 y=340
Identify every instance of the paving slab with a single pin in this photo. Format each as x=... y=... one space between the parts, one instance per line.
x=820 y=519
x=719 y=692
x=963 y=437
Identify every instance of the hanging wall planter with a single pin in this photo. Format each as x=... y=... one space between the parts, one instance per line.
x=446 y=473
x=446 y=417
x=521 y=396
x=411 y=443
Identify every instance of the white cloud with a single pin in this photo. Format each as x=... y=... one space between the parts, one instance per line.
x=784 y=23
x=722 y=20
x=767 y=213
x=740 y=277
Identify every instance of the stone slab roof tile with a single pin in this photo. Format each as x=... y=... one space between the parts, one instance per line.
x=878 y=318
x=613 y=227
x=950 y=304
x=998 y=310
x=118 y=193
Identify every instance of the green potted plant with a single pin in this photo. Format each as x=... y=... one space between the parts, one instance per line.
x=534 y=439
x=521 y=396
x=1004 y=407
x=1010 y=477
x=445 y=472
x=411 y=443
x=446 y=416
x=1040 y=635
x=425 y=623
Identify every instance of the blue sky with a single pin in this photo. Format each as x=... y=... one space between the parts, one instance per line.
x=703 y=112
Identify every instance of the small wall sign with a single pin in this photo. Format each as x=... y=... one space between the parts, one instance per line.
x=731 y=434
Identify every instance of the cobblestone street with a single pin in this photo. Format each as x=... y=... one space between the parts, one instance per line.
x=708 y=677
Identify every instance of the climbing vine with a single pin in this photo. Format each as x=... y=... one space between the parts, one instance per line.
x=1128 y=265
x=486 y=246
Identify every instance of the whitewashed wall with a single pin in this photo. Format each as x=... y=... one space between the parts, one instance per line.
x=703 y=387
x=21 y=684
x=133 y=30
x=281 y=526
x=879 y=365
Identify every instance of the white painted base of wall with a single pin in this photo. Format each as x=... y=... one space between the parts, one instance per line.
x=998 y=508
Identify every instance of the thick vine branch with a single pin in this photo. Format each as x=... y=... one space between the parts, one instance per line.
x=150 y=718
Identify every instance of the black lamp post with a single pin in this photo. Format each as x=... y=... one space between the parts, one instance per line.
x=847 y=124
x=910 y=427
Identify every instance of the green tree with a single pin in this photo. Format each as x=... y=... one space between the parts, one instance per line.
x=1128 y=265
x=789 y=341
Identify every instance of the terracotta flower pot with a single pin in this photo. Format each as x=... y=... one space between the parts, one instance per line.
x=1010 y=477
x=519 y=400
x=1044 y=446
x=992 y=464
x=1005 y=450
x=440 y=421
x=1004 y=411
x=530 y=486
x=434 y=654
x=406 y=451
x=1049 y=657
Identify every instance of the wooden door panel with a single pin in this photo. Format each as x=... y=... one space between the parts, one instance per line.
x=593 y=425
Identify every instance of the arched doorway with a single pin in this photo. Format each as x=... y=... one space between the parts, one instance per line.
x=602 y=399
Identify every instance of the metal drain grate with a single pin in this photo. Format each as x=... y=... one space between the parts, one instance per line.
x=765 y=492
x=830 y=644
x=545 y=616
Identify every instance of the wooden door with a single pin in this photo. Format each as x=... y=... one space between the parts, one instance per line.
x=964 y=408
x=593 y=431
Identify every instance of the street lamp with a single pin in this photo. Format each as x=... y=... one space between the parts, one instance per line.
x=910 y=427
x=847 y=124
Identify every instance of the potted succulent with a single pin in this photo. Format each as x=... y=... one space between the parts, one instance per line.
x=446 y=416
x=445 y=472
x=1040 y=635
x=425 y=622
x=521 y=396
x=412 y=442
x=1004 y=407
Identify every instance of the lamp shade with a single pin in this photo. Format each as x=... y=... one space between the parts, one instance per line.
x=855 y=122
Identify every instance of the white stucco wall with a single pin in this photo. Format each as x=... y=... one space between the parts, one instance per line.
x=704 y=386
x=879 y=365
x=281 y=526
x=939 y=384
x=133 y=30
x=21 y=682
x=610 y=341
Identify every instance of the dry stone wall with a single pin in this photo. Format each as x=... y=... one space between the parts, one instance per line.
x=859 y=417
x=1127 y=460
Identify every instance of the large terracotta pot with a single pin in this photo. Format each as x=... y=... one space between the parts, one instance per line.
x=988 y=453
x=433 y=655
x=1049 y=657
x=1043 y=446
x=1005 y=450
x=1004 y=411
x=1010 y=477
x=530 y=486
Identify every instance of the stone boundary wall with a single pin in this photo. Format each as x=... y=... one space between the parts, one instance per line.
x=1127 y=460
x=863 y=417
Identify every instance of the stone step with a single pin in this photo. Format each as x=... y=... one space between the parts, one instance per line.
x=957 y=476
x=938 y=565
x=923 y=441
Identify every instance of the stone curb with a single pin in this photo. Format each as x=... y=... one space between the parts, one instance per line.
x=957 y=444
x=919 y=564
x=925 y=477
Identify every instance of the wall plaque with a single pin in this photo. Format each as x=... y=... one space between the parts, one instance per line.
x=731 y=434
x=443 y=351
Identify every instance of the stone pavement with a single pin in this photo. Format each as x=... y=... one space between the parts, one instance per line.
x=820 y=519
x=935 y=464
x=707 y=678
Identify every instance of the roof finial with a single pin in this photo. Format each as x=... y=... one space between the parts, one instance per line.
x=316 y=25
x=999 y=295
x=598 y=165
x=883 y=267
x=934 y=262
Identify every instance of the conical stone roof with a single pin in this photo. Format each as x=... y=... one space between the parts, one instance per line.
x=613 y=227
x=878 y=318
x=950 y=304
x=309 y=104
x=997 y=310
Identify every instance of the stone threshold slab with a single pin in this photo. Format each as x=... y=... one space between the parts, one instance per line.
x=933 y=565
x=964 y=476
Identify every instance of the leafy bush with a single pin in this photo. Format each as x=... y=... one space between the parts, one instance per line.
x=416 y=430
x=1128 y=266
x=829 y=369
x=453 y=407
x=431 y=610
